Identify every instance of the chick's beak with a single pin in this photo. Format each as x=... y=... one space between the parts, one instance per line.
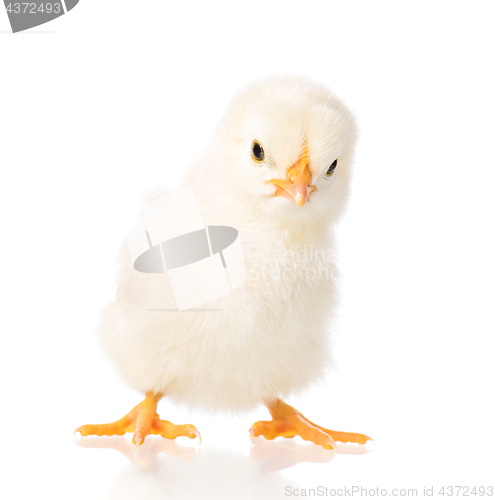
x=297 y=184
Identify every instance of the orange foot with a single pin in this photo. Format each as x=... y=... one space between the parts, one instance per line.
x=142 y=420
x=288 y=422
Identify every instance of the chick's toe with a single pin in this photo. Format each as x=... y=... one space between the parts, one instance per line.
x=142 y=420
x=288 y=422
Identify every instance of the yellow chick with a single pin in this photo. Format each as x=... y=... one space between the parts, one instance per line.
x=277 y=170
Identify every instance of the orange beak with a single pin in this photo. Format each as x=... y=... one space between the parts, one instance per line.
x=297 y=184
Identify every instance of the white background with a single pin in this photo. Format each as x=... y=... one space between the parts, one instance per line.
x=118 y=97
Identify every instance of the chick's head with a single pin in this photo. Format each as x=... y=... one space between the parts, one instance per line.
x=287 y=145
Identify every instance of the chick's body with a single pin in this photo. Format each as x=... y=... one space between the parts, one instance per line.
x=268 y=337
x=260 y=341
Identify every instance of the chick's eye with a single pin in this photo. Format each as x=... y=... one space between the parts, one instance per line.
x=257 y=152
x=331 y=169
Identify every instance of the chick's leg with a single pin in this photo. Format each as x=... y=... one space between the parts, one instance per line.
x=142 y=420
x=288 y=422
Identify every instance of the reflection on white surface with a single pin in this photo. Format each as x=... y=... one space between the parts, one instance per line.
x=285 y=453
x=142 y=456
x=163 y=469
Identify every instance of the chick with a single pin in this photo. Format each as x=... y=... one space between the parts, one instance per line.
x=277 y=169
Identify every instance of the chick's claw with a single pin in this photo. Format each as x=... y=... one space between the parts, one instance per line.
x=291 y=426
x=142 y=420
x=170 y=431
x=347 y=437
x=288 y=422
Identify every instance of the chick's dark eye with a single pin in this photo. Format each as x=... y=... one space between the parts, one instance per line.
x=331 y=169
x=257 y=152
